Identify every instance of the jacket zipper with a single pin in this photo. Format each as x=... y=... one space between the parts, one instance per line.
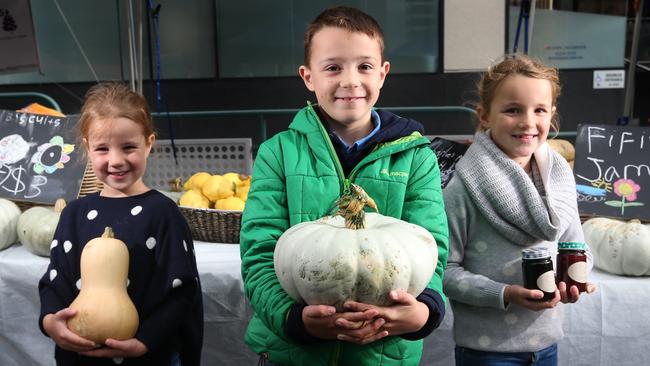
x=337 y=354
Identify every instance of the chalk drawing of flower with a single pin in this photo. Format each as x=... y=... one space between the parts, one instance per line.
x=626 y=189
x=50 y=156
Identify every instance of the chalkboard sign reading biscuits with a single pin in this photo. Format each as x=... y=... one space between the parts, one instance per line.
x=612 y=171
x=39 y=158
x=448 y=153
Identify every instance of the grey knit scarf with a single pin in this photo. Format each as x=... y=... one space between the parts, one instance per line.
x=507 y=197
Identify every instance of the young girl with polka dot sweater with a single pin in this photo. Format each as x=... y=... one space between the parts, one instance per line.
x=509 y=192
x=163 y=283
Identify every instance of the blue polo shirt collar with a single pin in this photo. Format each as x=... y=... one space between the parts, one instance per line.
x=360 y=143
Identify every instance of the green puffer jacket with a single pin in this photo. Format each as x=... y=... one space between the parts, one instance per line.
x=297 y=177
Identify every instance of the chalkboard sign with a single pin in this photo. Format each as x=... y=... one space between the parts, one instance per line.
x=39 y=158
x=612 y=170
x=448 y=153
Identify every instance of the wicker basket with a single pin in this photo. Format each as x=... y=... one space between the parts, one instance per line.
x=218 y=226
x=89 y=184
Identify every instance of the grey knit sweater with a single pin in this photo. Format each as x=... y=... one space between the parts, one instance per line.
x=485 y=202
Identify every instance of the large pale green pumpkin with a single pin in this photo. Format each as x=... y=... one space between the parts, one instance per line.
x=9 y=213
x=328 y=262
x=36 y=227
x=619 y=247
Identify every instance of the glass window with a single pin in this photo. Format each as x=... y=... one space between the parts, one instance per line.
x=259 y=39
x=187 y=41
x=573 y=34
x=94 y=24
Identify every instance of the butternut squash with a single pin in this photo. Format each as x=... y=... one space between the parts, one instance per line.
x=104 y=309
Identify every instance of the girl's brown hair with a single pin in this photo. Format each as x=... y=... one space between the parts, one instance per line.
x=517 y=64
x=350 y=19
x=110 y=100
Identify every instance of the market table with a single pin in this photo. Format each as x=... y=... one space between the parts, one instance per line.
x=610 y=327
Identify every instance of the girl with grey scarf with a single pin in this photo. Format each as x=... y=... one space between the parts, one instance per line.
x=510 y=191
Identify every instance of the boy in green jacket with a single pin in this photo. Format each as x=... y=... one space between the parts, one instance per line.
x=300 y=173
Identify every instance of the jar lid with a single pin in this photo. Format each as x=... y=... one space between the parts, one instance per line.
x=535 y=253
x=571 y=245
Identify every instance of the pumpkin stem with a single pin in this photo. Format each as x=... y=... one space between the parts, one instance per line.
x=351 y=205
x=108 y=233
x=59 y=205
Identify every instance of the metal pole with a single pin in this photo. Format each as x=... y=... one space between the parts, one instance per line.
x=531 y=21
x=139 y=46
x=130 y=26
x=628 y=107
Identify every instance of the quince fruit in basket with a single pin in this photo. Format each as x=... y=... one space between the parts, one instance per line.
x=234 y=177
x=230 y=203
x=242 y=192
x=196 y=181
x=217 y=187
x=194 y=199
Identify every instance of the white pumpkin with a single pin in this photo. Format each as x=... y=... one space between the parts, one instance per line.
x=9 y=213
x=619 y=247
x=36 y=227
x=328 y=262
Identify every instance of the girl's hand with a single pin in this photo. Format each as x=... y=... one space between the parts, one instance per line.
x=405 y=315
x=324 y=322
x=114 y=348
x=56 y=326
x=572 y=295
x=529 y=298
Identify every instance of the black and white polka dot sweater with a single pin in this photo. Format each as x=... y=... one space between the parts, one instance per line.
x=163 y=280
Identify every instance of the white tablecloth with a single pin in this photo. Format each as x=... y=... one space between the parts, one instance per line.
x=610 y=327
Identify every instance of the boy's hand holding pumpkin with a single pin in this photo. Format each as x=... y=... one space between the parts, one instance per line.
x=324 y=322
x=405 y=315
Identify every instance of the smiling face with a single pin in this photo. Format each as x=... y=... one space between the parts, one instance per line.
x=118 y=151
x=345 y=72
x=519 y=116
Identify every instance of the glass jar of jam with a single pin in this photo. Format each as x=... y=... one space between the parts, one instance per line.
x=538 y=272
x=572 y=265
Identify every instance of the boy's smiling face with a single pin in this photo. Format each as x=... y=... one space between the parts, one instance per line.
x=346 y=72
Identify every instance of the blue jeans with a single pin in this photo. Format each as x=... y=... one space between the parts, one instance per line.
x=470 y=357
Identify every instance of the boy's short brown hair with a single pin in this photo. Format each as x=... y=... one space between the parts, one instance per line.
x=350 y=19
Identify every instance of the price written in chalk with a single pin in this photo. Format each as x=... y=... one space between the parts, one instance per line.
x=11 y=181
x=38 y=159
